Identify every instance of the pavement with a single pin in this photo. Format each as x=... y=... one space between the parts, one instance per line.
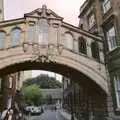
x=47 y=115
x=64 y=115
x=51 y=115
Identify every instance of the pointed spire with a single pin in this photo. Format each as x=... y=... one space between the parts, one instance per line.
x=44 y=10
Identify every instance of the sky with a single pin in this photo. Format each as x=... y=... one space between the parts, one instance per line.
x=68 y=9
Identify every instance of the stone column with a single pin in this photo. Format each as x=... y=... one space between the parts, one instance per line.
x=101 y=52
x=89 y=52
x=109 y=99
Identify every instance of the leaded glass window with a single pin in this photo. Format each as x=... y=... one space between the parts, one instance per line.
x=117 y=89
x=82 y=45
x=111 y=37
x=31 y=32
x=106 y=5
x=2 y=39
x=69 y=41
x=15 y=36
x=43 y=31
x=95 y=50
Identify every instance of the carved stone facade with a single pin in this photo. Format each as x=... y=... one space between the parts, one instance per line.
x=42 y=40
x=61 y=47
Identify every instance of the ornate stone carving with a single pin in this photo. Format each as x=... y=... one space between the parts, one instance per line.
x=45 y=53
x=25 y=47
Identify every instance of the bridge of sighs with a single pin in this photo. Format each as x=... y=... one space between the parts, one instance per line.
x=42 y=40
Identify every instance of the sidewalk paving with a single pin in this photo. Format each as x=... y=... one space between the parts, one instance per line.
x=64 y=115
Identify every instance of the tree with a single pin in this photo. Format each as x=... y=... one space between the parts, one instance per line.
x=32 y=94
x=44 y=81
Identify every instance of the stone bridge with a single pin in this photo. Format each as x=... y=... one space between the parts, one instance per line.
x=42 y=40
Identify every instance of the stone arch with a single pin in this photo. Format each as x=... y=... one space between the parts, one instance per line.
x=82 y=46
x=57 y=67
x=95 y=50
x=20 y=60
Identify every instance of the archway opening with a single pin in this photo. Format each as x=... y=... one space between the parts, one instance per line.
x=81 y=93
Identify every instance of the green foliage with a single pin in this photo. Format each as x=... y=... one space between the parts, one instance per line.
x=44 y=81
x=32 y=94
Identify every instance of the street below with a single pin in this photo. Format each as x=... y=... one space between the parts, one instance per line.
x=47 y=115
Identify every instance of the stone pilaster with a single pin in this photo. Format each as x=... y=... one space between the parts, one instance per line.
x=1 y=10
x=109 y=100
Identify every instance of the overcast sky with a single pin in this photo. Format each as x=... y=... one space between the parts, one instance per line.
x=68 y=9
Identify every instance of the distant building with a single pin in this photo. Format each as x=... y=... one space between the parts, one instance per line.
x=55 y=93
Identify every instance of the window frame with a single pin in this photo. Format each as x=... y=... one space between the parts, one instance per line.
x=3 y=40
x=116 y=80
x=91 y=15
x=82 y=44
x=69 y=43
x=111 y=40
x=14 y=44
x=44 y=29
x=31 y=30
x=95 y=50
x=104 y=4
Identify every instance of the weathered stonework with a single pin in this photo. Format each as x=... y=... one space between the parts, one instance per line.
x=54 y=54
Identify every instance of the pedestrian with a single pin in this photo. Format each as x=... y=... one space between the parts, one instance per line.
x=4 y=114
x=10 y=114
x=0 y=115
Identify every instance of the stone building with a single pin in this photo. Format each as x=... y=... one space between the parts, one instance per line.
x=102 y=17
x=42 y=40
x=83 y=102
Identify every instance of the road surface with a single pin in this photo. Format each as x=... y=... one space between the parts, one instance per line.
x=47 y=115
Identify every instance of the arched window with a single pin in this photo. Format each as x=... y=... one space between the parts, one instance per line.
x=95 y=50
x=15 y=36
x=69 y=41
x=30 y=32
x=2 y=39
x=43 y=31
x=82 y=45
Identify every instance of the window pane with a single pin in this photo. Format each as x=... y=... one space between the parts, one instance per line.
x=15 y=36
x=91 y=20
x=82 y=46
x=30 y=31
x=69 y=41
x=119 y=97
x=106 y=5
x=95 y=50
x=111 y=38
x=117 y=89
x=43 y=31
x=2 y=39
